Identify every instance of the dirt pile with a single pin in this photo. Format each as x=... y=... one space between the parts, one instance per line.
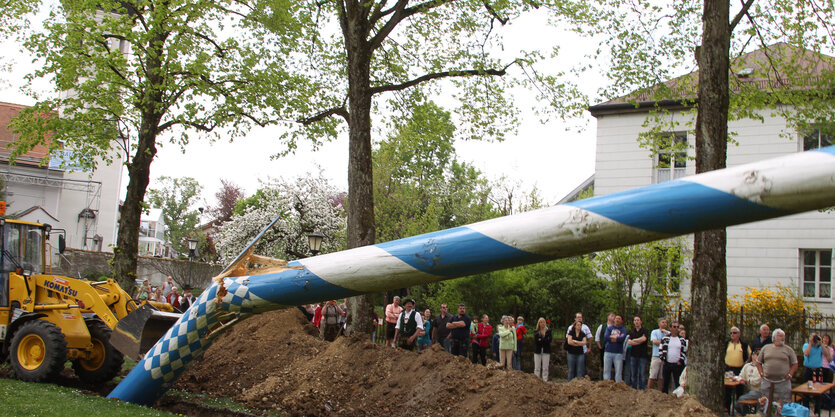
x=273 y=361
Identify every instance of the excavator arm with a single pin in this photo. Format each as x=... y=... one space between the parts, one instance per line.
x=135 y=327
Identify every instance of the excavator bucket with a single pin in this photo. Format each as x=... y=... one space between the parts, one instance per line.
x=140 y=330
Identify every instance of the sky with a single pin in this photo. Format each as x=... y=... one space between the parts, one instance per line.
x=555 y=157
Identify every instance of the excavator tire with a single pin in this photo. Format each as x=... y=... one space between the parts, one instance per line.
x=104 y=361
x=38 y=351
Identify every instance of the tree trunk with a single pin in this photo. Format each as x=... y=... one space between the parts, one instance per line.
x=361 y=230
x=139 y=169
x=709 y=287
x=127 y=241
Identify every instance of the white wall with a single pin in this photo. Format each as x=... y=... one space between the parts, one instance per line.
x=106 y=205
x=62 y=198
x=758 y=254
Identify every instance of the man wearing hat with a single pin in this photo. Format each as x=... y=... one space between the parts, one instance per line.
x=187 y=299
x=409 y=326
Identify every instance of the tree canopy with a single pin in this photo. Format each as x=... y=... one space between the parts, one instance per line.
x=131 y=75
x=780 y=52
x=404 y=49
x=554 y=290
x=227 y=198
x=307 y=204
x=644 y=279
x=419 y=184
x=358 y=57
x=177 y=198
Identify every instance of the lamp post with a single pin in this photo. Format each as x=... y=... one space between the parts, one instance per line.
x=314 y=240
x=192 y=253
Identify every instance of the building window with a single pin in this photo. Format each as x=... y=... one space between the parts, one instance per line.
x=671 y=158
x=816 y=272
x=815 y=139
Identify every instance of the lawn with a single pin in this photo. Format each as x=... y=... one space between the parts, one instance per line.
x=20 y=399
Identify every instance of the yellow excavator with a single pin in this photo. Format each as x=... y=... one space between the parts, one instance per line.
x=46 y=320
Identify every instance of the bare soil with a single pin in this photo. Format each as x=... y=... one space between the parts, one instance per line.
x=276 y=362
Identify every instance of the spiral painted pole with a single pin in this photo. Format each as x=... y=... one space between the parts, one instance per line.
x=772 y=188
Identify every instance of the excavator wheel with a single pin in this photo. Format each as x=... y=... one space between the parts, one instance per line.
x=104 y=361
x=38 y=351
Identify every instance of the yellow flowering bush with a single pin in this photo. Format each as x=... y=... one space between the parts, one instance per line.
x=778 y=306
x=676 y=305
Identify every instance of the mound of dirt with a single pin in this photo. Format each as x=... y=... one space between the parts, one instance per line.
x=274 y=361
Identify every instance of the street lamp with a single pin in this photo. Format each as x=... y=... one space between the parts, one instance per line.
x=192 y=248
x=192 y=253
x=314 y=240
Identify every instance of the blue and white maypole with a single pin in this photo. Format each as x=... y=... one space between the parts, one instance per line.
x=742 y=194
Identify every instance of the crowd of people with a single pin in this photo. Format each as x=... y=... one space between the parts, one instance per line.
x=165 y=293
x=768 y=363
x=638 y=356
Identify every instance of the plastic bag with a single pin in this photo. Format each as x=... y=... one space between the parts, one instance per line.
x=795 y=410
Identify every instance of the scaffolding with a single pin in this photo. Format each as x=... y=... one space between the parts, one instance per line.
x=91 y=189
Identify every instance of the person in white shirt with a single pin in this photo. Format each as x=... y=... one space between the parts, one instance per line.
x=409 y=326
x=656 y=367
x=579 y=318
x=167 y=286
x=673 y=354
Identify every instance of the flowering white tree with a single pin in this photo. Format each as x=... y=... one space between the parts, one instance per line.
x=306 y=204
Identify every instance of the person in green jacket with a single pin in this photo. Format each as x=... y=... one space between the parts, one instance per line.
x=507 y=342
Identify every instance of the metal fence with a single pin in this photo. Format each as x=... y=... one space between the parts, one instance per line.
x=797 y=327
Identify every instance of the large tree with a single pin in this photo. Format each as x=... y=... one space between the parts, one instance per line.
x=362 y=55
x=788 y=76
x=129 y=75
x=709 y=285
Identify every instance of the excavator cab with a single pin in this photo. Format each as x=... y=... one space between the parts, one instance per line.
x=21 y=252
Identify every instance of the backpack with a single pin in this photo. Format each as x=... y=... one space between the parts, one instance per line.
x=330 y=311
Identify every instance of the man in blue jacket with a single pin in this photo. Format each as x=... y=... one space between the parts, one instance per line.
x=613 y=354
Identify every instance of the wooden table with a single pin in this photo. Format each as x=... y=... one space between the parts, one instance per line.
x=817 y=391
x=732 y=383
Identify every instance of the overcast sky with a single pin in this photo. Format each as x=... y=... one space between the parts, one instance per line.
x=549 y=157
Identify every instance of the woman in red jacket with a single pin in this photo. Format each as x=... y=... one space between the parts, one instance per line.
x=481 y=340
x=317 y=315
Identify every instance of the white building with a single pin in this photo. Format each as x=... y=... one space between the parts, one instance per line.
x=152 y=235
x=794 y=251
x=85 y=204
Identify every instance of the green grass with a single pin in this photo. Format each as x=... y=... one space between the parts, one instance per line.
x=20 y=399
x=129 y=364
